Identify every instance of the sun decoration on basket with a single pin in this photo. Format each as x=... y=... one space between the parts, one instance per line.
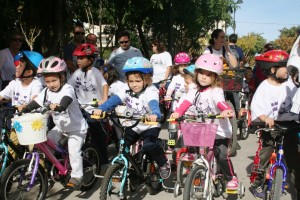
x=37 y=125
x=18 y=127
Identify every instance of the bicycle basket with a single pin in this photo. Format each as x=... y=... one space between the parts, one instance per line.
x=199 y=134
x=232 y=79
x=31 y=128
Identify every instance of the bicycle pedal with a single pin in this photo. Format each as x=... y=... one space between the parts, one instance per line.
x=231 y=191
x=73 y=186
x=171 y=142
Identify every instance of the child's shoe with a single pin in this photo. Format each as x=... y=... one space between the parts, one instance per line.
x=165 y=170
x=233 y=184
x=74 y=183
x=257 y=191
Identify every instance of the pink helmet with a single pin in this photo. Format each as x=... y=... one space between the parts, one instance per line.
x=210 y=62
x=52 y=65
x=182 y=58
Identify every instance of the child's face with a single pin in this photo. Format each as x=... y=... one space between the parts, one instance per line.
x=83 y=61
x=20 y=68
x=205 y=78
x=248 y=74
x=135 y=82
x=187 y=81
x=181 y=67
x=281 y=72
x=53 y=82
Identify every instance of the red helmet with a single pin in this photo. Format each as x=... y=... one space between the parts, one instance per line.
x=86 y=49
x=273 y=58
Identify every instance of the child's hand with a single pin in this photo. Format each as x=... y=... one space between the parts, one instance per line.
x=174 y=115
x=101 y=101
x=269 y=121
x=168 y=98
x=53 y=106
x=97 y=112
x=227 y=113
x=151 y=118
x=21 y=107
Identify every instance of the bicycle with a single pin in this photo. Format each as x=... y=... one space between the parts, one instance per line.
x=205 y=180
x=244 y=118
x=27 y=178
x=275 y=173
x=6 y=157
x=127 y=169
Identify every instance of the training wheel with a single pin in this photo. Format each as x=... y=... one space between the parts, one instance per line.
x=177 y=190
x=242 y=190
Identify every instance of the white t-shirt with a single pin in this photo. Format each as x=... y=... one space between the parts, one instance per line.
x=207 y=102
x=19 y=94
x=274 y=101
x=119 y=57
x=88 y=86
x=217 y=53
x=117 y=88
x=7 y=66
x=160 y=63
x=140 y=106
x=69 y=121
x=176 y=86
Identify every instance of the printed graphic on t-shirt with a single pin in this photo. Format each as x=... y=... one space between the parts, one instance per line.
x=285 y=106
x=21 y=99
x=136 y=105
x=86 y=85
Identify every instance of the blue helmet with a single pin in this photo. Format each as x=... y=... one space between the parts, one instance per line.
x=190 y=70
x=138 y=64
x=34 y=58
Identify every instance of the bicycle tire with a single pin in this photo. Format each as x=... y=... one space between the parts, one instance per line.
x=91 y=164
x=14 y=179
x=114 y=174
x=277 y=185
x=243 y=128
x=190 y=182
x=180 y=176
x=233 y=140
x=153 y=183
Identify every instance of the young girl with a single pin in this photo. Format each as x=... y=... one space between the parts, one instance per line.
x=209 y=99
x=68 y=119
x=142 y=99
x=89 y=84
x=176 y=86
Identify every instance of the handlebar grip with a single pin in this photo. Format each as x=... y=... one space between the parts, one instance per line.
x=150 y=123
x=95 y=116
x=258 y=124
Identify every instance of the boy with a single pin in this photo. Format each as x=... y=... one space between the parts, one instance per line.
x=273 y=101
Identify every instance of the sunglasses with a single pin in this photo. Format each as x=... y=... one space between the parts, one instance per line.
x=123 y=42
x=79 y=33
x=17 y=39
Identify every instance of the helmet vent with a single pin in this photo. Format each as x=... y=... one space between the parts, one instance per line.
x=54 y=64
x=46 y=63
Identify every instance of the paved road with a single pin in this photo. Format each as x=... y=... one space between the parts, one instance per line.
x=242 y=165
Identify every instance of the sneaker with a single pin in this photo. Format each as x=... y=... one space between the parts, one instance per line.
x=74 y=183
x=233 y=184
x=165 y=170
x=257 y=191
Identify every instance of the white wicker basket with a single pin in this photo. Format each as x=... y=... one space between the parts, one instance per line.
x=31 y=128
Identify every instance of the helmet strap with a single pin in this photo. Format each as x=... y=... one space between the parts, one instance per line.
x=23 y=72
x=279 y=80
x=86 y=68
x=136 y=95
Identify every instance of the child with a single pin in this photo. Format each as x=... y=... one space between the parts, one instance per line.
x=68 y=119
x=209 y=99
x=272 y=101
x=24 y=88
x=176 y=86
x=142 y=98
x=89 y=84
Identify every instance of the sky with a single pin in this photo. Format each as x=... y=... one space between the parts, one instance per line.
x=266 y=17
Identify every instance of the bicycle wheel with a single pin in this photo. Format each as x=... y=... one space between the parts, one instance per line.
x=153 y=183
x=183 y=168
x=277 y=185
x=111 y=183
x=91 y=165
x=195 y=184
x=243 y=127
x=233 y=141
x=16 y=179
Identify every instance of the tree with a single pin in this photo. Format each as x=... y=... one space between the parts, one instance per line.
x=287 y=38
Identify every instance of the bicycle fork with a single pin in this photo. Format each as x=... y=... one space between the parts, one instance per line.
x=33 y=167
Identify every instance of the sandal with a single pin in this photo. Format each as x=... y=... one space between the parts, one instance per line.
x=74 y=183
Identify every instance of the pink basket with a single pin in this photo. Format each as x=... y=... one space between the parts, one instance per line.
x=199 y=134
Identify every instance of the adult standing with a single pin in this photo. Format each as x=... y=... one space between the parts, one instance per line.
x=78 y=39
x=7 y=66
x=161 y=61
x=219 y=46
x=119 y=56
x=91 y=38
x=232 y=45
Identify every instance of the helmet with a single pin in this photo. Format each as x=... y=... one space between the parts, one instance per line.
x=210 y=62
x=34 y=58
x=138 y=64
x=190 y=70
x=52 y=65
x=273 y=58
x=85 y=49
x=182 y=58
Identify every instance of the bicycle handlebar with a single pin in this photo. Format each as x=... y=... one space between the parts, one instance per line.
x=200 y=117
